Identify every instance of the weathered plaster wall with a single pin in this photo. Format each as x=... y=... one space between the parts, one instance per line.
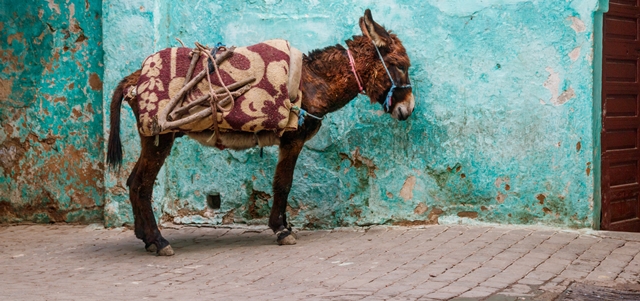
x=129 y=35
x=502 y=132
x=51 y=138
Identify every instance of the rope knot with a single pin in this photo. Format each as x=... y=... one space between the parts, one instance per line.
x=302 y=113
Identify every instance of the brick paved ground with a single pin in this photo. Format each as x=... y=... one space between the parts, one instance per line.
x=380 y=263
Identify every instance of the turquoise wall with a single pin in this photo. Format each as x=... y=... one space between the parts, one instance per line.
x=503 y=129
x=51 y=142
x=505 y=126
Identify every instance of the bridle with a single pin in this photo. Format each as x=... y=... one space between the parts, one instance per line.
x=387 y=103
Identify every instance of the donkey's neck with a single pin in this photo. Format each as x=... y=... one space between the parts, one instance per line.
x=328 y=83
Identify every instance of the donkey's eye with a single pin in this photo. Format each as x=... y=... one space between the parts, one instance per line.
x=402 y=68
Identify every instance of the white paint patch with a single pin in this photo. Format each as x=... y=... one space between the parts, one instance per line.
x=577 y=24
x=564 y=97
x=407 y=189
x=499 y=181
x=53 y=6
x=72 y=13
x=553 y=84
x=575 y=54
x=501 y=197
x=377 y=112
x=17 y=256
x=345 y=264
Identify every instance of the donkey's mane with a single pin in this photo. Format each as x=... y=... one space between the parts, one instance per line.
x=317 y=58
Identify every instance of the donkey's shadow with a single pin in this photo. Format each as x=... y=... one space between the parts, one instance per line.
x=188 y=240
x=220 y=239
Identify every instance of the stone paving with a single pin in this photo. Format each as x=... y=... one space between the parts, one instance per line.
x=441 y=262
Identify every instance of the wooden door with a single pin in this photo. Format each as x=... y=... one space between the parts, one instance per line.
x=620 y=117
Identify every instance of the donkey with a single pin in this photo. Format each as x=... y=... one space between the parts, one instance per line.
x=375 y=64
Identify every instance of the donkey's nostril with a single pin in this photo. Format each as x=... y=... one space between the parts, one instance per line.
x=403 y=113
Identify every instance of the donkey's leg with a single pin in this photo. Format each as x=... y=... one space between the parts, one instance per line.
x=141 y=182
x=289 y=151
x=138 y=229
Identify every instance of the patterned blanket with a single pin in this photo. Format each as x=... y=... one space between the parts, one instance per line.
x=266 y=106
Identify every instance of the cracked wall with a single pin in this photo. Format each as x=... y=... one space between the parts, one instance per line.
x=503 y=129
x=51 y=140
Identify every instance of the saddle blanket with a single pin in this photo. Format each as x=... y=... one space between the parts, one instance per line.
x=266 y=106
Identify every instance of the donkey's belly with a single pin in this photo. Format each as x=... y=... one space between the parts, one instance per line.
x=236 y=140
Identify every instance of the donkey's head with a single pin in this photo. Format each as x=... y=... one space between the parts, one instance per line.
x=388 y=82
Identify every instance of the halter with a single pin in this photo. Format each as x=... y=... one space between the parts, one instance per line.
x=387 y=102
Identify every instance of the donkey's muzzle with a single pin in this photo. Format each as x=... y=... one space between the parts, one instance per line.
x=403 y=113
x=403 y=110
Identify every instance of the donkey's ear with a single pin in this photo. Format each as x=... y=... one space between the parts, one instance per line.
x=373 y=30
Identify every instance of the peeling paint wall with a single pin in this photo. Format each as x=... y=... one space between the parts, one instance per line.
x=129 y=35
x=503 y=129
x=51 y=142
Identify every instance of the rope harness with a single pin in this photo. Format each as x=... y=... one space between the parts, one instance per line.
x=352 y=62
x=387 y=102
x=302 y=113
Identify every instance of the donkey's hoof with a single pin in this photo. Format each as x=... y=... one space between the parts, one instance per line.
x=286 y=238
x=151 y=248
x=166 y=251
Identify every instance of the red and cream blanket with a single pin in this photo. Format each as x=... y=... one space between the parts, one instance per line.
x=266 y=106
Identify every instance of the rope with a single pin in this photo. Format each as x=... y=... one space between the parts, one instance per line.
x=213 y=65
x=353 y=69
x=213 y=97
x=302 y=113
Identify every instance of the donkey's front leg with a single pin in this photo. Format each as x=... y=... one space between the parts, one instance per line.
x=289 y=151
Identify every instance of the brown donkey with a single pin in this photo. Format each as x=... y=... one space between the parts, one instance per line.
x=331 y=77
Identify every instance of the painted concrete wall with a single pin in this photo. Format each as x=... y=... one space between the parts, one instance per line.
x=503 y=130
x=51 y=142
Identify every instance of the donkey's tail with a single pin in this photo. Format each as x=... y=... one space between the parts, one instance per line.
x=114 y=147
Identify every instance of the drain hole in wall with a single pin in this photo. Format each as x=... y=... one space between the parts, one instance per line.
x=213 y=201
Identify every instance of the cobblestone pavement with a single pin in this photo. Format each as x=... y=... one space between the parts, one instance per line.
x=52 y=262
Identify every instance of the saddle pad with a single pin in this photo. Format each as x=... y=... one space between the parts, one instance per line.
x=265 y=107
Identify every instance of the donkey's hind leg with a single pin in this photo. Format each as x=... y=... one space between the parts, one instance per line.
x=141 y=182
x=139 y=229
